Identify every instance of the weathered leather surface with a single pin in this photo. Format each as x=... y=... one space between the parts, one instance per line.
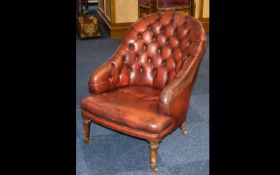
x=135 y=107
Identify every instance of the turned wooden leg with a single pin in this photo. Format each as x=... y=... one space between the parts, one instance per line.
x=86 y=130
x=184 y=128
x=153 y=155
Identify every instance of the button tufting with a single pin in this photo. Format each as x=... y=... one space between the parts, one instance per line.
x=149 y=60
x=144 y=47
x=155 y=72
x=139 y=36
x=131 y=47
x=167 y=41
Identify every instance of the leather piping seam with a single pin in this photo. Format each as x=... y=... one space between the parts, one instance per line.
x=96 y=83
x=180 y=86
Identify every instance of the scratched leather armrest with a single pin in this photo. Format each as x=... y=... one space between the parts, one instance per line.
x=108 y=76
x=99 y=80
x=174 y=99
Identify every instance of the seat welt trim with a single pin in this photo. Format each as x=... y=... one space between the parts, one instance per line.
x=115 y=123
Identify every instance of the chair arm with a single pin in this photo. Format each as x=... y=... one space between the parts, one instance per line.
x=174 y=99
x=106 y=77
x=99 y=79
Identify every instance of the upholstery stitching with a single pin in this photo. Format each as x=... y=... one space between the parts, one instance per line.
x=107 y=120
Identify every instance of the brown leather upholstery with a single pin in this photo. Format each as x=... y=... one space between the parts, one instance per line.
x=144 y=89
x=135 y=107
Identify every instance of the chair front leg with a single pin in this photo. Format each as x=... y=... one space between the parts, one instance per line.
x=153 y=155
x=86 y=130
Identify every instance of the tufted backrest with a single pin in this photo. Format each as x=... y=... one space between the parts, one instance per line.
x=155 y=48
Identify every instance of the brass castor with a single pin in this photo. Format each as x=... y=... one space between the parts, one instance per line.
x=184 y=128
x=88 y=141
x=154 y=169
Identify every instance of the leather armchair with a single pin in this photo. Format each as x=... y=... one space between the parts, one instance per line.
x=144 y=89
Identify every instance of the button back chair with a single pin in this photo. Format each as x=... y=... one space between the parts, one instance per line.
x=144 y=89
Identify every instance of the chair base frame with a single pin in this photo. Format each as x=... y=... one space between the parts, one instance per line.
x=153 y=145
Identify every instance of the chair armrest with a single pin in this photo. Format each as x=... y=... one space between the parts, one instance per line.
x=99 y=79
x=174 y=99
x=105 y=77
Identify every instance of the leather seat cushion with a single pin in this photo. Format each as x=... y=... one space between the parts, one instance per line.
x=133 y=107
